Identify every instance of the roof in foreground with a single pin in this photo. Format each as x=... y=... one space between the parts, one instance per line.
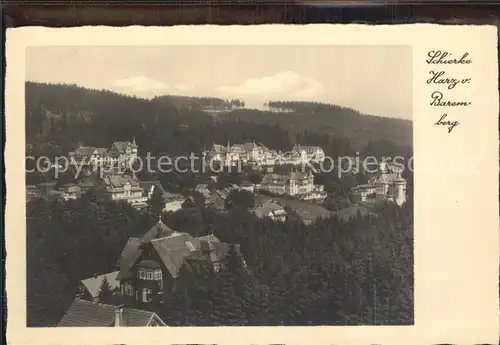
x=83 y=313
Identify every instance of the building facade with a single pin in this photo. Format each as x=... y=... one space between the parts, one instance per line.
x=294 y=184
x=386 y=184
x=123 y=153
x=149 y=266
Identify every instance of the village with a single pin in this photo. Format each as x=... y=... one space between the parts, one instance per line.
x=119 y=183
x=138 y=277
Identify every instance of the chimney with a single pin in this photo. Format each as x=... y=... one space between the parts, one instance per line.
x=119 y=315
x=159 y=227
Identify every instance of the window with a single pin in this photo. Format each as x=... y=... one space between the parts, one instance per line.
x=216 y=267
x=149 y=275
x=190 y=246
x=141 y=274
x=129 y=290
x=158 y=274
x=147 y=295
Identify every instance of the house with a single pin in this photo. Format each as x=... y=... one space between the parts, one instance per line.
x=149 y=187
x=363 y=192
x=190 y=202
x=249 y=187
x=122 y=152
x=89 y=288
x=218 y=198
x=313 y=154
x=120 y=186
x=88 y=155
x=32 y=192
x=272 y=210
x=173 y=202
x=71 y=191
x=46 y=188
x=386 y=184
x=83 y=313
x=203 y=189
x=295 y=184
x=149 y=266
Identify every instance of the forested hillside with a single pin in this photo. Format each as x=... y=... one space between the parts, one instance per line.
x=331 y=119
x=331 y=272
x=61 y=117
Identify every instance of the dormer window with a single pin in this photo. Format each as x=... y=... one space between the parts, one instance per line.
x=149 y=275
x=190 y=246
x=217 y=267
x=141 y=273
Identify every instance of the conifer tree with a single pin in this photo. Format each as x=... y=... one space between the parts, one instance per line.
x=106 y=295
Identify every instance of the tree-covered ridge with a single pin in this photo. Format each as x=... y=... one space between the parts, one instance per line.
x=61 y=117
x=200 y=103
x=334 y=120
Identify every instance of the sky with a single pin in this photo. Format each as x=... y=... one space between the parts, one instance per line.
x=375 y=80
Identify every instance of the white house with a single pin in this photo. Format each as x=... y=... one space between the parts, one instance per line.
x=295 y=184
x=272 y=210
x=386 y=184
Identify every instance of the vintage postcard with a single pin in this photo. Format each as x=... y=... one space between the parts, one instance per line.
x=319 y=184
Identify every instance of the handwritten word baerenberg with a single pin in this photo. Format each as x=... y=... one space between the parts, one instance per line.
x=440 y=77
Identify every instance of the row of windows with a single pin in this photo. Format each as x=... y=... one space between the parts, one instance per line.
x=149 y=274
x=141 y=294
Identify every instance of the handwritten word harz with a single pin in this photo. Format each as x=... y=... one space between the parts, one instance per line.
x=440 y=77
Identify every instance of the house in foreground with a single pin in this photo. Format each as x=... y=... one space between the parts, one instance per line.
x=91 y=314
x=149 y=266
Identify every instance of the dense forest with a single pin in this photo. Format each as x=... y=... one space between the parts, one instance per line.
x=62 y=117
x=331 y=272
x=334 y=120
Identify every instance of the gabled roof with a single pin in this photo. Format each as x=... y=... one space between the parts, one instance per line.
x=147 y=185
x=90 y=314
x=84 y=151
x=93 y=285
x=250 y=146
x=121 y=146
x=101 y=151
x=266 y=208
x=171 y=247
x=132 y=250
x=171 y=197
x=129 y=256
x=201 y=186
x=119 y=180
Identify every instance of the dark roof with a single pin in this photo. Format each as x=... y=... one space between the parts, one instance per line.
x=132 y=252
x=121 y=146
x=149 y=264
x=172 y=247
x=129 y=256
x=91 y=314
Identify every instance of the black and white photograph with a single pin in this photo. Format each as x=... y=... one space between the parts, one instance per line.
x=219 y=186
